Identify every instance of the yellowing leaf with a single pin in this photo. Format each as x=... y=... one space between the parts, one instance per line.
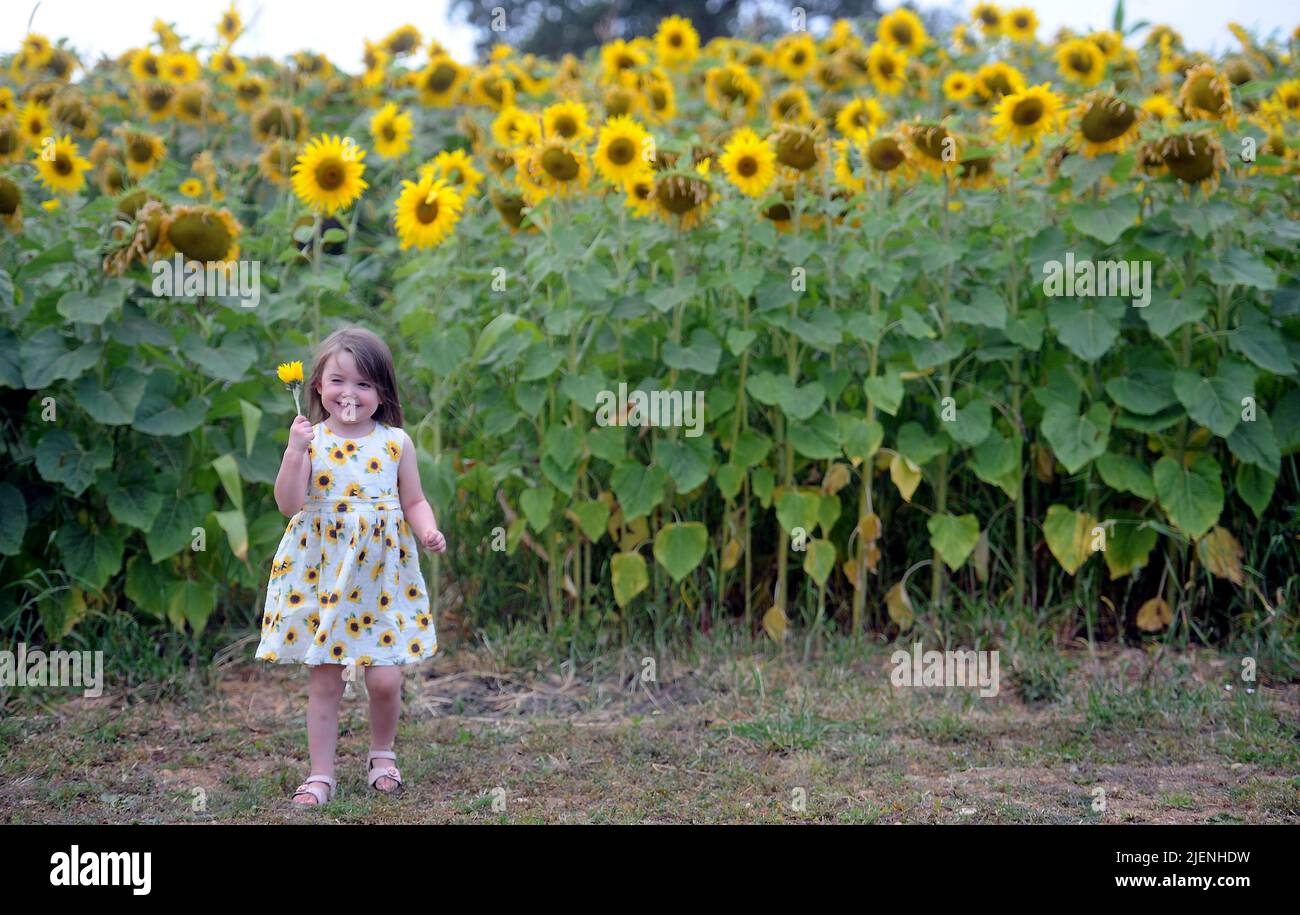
x=1222 y=554
x=1154 y=615
x=836 y=478
x=730 y=554
x=1067 y=533
x=899 y=606
x=906 y=476
x=629 y=576
x=1044 y=464
x=774 y=624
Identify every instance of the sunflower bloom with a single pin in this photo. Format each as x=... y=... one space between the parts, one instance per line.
x=620 y=149
x=391 y=131
x=1024 y=117
x=327 y=175
x=749 y=162
x=60 y=167
x=426 y=212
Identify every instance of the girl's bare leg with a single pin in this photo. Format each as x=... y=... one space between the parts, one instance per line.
x=385 y=687
x=324 y=690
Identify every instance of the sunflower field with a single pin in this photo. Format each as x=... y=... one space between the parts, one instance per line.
x=841 y=247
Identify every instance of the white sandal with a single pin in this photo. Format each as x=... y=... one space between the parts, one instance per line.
x=310 y=787
x=375 y=774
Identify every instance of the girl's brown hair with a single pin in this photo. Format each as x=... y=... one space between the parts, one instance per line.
x=374 y=362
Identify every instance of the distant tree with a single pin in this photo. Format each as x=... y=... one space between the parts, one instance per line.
x=557 y=27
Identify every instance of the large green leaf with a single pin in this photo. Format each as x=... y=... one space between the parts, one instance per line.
x=680 y=547
x=638 y=488
x=701 y=355
x=13 y=509
x=971 y=425
x=1253 y=442
x=1069 y=536
x=1216 y=401
x=537 y=503
x=1128 y=547
x=592 y=515
x=1143 y=390
x=1105 y=223
x=1255 y=487
x=92 y=557
x=798 y=510
x=1075 y=439
x=885 y=391
x=91 y=307
x=1089 y=333
x=684 y=463
x=1125 y=473
x=60 y=458
x=629 y=576
x=1191 y=497
x=953 y=537
x=819 y=560
x=45 y=358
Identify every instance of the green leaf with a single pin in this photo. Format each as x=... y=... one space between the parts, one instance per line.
x=252 y=417
x=860 y=437
x=750 y=448
x=1124 y=473
x=228 y=361
x=1089 y=333
x=147 y=586
x=917 y=445
x=1191 y=497
x=1128 y=546
x=1216 y=402
x=61 y=459
x=45 y=358
x=539 y=362
x=228 y=471
x=738 y=339
x=1105 y=223
x=730 y=477
x=798 y=509
x=819 y=560
x=972 y=425
x=135 y=503
x=994 y=462
x=592 y=515
x=13 y=509
x=1075 y=439
x=1166 y=314
x=680 y=547
x=629 y=575
x=885 y=392
x=701 y=355
x=1255 y=487
x=1254 y=443
x=953 y=537
x=987 y=308
x=817 y=439
x=1026 y=330
x=91 y=557
x=683 y=463
x=1143 y=390
x=236 y=528
x=563 y=445
x=536 y=504
x=191 y=602
x=1242 y=268
x=1260 y=342
x=173 y=529
x=607 y=443
x=638 y=488
x=91 y=308
x=116 y=405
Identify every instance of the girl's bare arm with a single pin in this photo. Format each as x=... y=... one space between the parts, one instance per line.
x=291 y=482
x=416 y=509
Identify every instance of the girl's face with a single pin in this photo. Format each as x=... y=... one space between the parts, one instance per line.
x=341 y=381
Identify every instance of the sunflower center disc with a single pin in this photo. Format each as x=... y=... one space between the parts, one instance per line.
x=622 y=151
x=329 y=175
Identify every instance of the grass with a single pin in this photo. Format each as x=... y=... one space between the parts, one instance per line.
x=726 y=732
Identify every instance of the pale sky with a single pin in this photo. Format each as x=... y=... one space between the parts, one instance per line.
x=336 y=27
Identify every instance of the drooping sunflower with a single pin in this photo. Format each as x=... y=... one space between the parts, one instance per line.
x=199 y=233
x=1020 y=24
x=903 y=31
x=730 y=87
x=551 y=168
x=439 y=82
x=276 y=161
x=278 y=118
x=510 y=207
x=975 y=172
x=426 y=212
x=1081 y=61
x=327 y=175
x=143 y=151
x=1196 y=159
x=887 y=68
x=798 y=149
x=1106 y=124
x=676 y=42
x=621 y=149
x=12 y=145
x=957 y=85
x=1024 y=117
x=1206 y=94
x=860 y=119
x=621 y=100
x=250 y=91
x=936 y=149
x=402 y=40
x=683 y=197
x=391 y=131
x=11 y=204
x=749 y=162
x=194 y=104
x=567 y=120
x=887 y=156
x=456 y=168
x=60 y=166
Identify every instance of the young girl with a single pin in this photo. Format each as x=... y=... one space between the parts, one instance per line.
x=346 y=589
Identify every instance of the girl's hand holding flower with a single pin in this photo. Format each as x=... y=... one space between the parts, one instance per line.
x=300 y=434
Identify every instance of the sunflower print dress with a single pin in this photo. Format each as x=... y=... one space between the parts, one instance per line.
x=346 y=586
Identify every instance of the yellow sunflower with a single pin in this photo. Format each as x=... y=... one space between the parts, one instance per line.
x=888 y=69
x=250 y=91
x=860 y=119
x=619 y=62
x=1081 y=61
x=12 y=145
x=567 y=120
x=903 y=31
x=639 y=191
x=34 y=123
x=551 y=167
x=676 y=42
x=327 y=175
x=845 y=176
x=887 y=156
x=146 y=65
x=515 y=127
x=936 y=148
x=278 y=118
x=200 y=233
x=996 y=79
x=989 y=18
x=391 y=131
x=144 y=151
x=621 y=149
x=180 y=67
x=276 y=160
x=792 y=106
x=1025 y=116
x=456 y=167
x=795 y=56
x=229 y=68
x=230 y=25
x=957 y=85
x=426 y=212
x=731 y=87
x=61 y=168
x=659 y=100
x=1196 y=159
x=439 y=82
x=1020 y=24
x=749 y=162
